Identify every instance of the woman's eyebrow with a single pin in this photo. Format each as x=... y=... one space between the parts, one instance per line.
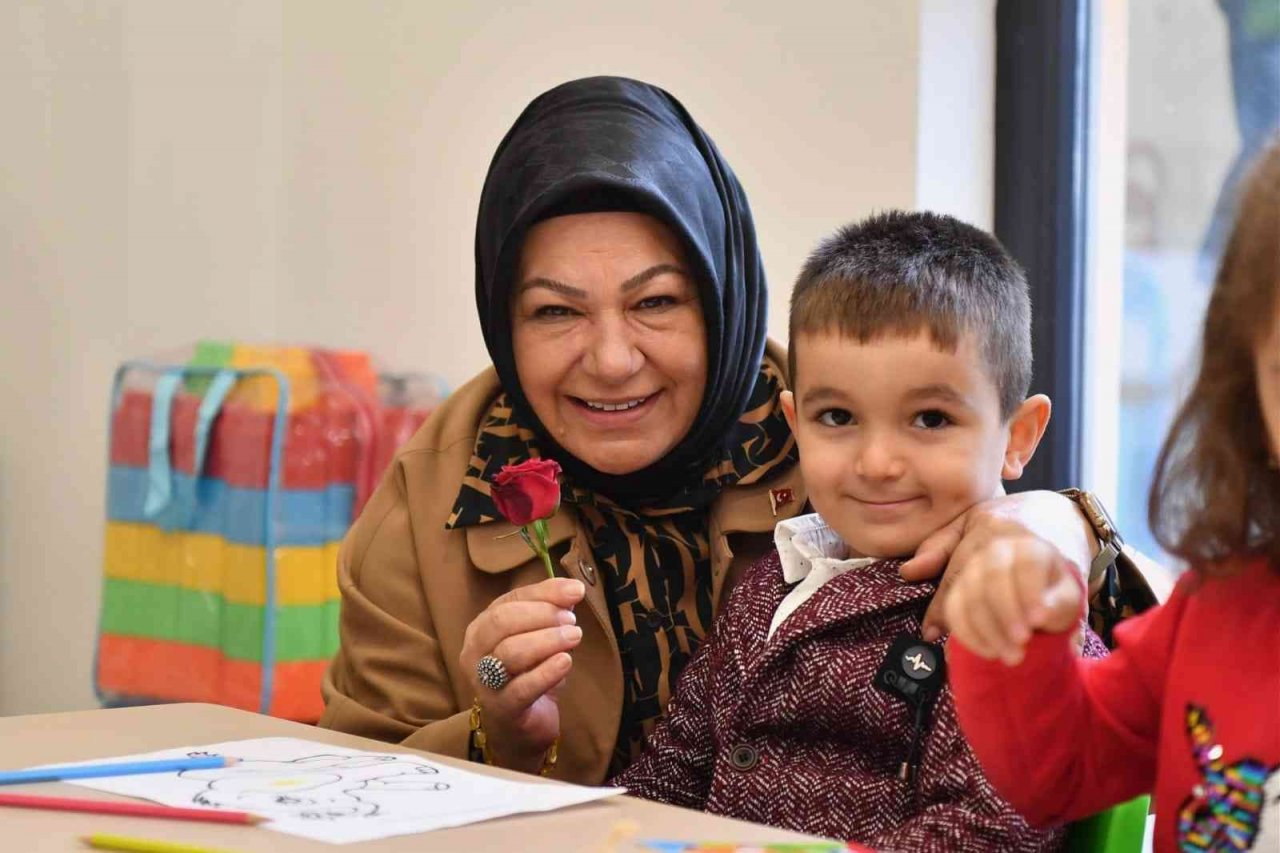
x=551 y=284
x=652 y=273
x=637 y=280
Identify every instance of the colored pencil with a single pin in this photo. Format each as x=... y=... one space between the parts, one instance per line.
x=70 y=804
x=121 y=768
x=103 y=841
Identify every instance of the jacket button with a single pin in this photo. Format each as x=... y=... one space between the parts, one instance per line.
x=588 y=572
x=744 y=757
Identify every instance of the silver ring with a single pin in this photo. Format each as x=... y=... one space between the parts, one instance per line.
x=492 y=673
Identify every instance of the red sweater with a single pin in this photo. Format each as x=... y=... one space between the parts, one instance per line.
x=1187 y=706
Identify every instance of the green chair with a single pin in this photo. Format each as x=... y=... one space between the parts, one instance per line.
x=1119 y=829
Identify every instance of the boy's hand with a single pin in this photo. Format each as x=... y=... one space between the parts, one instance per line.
x=1023 y=584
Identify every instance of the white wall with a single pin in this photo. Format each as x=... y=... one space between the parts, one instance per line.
x=305 y=171
x=956 y=108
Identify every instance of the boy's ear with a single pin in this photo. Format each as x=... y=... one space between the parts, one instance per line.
x=1026 y=428
x=789 y=409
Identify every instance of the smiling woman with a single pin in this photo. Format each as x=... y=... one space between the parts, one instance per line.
x=622 y=299
x=610 y=343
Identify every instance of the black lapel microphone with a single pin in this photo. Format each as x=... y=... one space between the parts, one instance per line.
x=915 y=672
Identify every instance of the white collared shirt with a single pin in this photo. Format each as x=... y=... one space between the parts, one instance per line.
x=811 y=554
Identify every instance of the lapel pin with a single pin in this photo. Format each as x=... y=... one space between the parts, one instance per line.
x=780 y=497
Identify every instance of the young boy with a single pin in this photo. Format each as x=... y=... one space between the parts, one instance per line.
x=814 y=704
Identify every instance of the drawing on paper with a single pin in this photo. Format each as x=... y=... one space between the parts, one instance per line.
x=339 y=795
x=315 y=787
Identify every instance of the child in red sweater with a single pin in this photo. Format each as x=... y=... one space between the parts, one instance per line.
x=1188 y=705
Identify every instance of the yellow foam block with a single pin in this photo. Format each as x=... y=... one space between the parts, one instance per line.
x=208 y=563
x=261 y=391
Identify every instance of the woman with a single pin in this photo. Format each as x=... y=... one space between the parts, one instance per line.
x=622 y=298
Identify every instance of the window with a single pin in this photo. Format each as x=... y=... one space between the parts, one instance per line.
x=1203 y=96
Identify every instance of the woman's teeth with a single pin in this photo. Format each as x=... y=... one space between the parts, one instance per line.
x=614 y=407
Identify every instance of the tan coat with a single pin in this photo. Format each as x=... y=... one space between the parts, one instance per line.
x=410 y=587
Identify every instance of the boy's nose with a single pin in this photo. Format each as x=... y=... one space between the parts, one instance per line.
x=878 y=459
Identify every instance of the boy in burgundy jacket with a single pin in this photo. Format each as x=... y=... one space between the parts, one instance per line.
x=815 y=704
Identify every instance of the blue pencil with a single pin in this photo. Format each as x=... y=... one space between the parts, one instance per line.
x=122 y=768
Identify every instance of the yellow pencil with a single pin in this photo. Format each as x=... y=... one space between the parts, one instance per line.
x=104 y=841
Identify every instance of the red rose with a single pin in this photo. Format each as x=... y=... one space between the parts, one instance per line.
x=527 y=492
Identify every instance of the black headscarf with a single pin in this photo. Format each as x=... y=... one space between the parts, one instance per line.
x=614 y=144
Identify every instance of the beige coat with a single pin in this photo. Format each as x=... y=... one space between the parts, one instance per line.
x=410 y=588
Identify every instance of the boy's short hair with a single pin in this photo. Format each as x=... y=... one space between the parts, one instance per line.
x=898 y=272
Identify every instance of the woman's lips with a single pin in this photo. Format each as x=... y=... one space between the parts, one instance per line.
x=615 y=412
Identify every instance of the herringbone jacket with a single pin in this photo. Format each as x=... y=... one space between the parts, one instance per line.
x=791 y=731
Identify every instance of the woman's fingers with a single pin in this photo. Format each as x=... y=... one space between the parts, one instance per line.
x=1002 y=519
x=526 y=608
x=522 y=719
x=933 y=553
x=959 y=561
x=523 y=652
x=525 y=689
x=562 y=592
x=512 y=619
x=530 y=630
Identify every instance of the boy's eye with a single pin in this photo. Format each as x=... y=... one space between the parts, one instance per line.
x=931 y=419
x=651 y=302
x=835 y=417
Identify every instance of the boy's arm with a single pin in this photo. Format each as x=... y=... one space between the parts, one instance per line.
x=1063 y=738
x=678 y=762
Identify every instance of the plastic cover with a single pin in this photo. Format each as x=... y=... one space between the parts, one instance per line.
x=234 y=473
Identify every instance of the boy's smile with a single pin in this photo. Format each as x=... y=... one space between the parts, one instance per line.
x=897 y=437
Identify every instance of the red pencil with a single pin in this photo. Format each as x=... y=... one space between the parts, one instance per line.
x=70 y=804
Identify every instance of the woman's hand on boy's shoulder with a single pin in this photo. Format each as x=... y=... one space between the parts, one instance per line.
x=984 y=535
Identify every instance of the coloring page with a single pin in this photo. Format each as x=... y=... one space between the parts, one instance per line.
x=328 y=793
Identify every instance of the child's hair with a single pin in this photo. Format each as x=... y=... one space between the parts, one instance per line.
x=897 y=273
x=1216 y=492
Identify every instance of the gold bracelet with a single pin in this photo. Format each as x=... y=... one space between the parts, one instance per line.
x=478 y=748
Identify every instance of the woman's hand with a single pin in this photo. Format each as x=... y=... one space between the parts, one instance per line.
x=973 y=541
x=1022 y=584
x=531 y=630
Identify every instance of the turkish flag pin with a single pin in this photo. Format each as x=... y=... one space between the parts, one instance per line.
x=780 y=497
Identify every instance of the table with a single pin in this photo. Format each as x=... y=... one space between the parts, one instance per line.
x=88 y=735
